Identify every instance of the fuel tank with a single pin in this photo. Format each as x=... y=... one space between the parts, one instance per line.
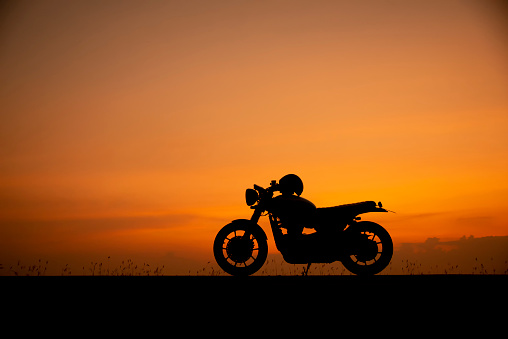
x=292 y=209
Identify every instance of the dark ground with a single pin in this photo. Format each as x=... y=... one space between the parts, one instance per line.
x=397 y=287
x=198 y=304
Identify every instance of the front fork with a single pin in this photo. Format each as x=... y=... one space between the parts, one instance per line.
x=256 y=215
x=255 y=218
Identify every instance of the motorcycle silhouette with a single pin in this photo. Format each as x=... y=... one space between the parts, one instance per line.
x=364 y=247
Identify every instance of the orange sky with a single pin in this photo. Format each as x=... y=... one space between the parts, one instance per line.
x=132 y=128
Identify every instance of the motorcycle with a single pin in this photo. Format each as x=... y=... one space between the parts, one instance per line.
x=364 y=247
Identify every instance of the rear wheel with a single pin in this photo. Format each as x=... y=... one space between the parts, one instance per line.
x=238 y=254
x=372 y=249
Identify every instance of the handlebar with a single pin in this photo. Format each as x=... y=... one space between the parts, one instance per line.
x=273 y=187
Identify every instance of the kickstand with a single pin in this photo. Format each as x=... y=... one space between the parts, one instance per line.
x=306 y=271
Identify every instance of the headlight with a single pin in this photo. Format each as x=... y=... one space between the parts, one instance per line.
x=251 y=196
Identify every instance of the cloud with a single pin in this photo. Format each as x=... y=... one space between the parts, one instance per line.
x=92 y=225
x=475 y=220
x=21 y=237
x=467 y=255
x=420 y=216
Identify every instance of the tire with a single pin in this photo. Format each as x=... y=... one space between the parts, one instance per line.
x=375 y=250
x=238 y=256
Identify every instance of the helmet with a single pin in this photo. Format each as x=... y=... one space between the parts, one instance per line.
x=290 y=184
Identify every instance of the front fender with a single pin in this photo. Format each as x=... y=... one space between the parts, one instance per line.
x=252 y=226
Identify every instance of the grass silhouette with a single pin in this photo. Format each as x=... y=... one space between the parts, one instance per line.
x=272 y=267
x=126 y=268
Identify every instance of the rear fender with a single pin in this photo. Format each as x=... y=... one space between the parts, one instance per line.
x=375 y=208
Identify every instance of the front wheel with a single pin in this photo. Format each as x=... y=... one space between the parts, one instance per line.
x=372 y=249
x=238 y=254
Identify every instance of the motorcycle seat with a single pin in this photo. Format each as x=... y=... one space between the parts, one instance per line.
x=346 y=210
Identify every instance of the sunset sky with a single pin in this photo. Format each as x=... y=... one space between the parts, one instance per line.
x=131 y=129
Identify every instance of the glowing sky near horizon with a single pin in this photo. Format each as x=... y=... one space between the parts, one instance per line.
x=135 y=126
